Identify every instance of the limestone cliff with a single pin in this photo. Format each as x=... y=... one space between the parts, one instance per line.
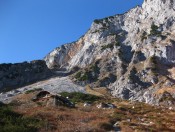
x=135 y=50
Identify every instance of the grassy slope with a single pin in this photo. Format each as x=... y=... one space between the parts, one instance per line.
x=11 y=121
x=131 y=116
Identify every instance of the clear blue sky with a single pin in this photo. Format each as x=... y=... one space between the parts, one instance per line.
x=29 y=29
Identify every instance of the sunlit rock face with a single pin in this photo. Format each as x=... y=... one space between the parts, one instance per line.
x=137 y=47
x=151 y=6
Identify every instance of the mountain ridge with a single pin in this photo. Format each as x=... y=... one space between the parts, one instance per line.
x=118 y=68
x=132 y=55
x=136 y=47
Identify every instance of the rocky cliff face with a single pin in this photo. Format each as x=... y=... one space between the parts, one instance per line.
x=13 y=75
x=132 y=54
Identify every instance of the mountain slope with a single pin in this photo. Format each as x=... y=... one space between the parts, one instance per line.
x=133 y=53
x=20 y=74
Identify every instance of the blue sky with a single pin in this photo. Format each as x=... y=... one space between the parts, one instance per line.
x=29 y=29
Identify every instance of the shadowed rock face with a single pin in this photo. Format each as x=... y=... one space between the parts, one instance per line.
x=14 y=75
x=137 y=48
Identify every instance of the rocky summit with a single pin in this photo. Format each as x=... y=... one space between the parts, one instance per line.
x=132 y=54
x=122 y=68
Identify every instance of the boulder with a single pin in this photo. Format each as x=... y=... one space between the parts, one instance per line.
x=61 y=101
x=87 y=104
x=106 y=106
x=41 y=95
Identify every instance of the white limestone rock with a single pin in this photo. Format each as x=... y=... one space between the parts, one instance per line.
x=136 y=47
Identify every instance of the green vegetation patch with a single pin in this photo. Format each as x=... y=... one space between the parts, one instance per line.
x=83 y=76
x=33 y=90
x=110 y=46
x=11 y=121
x=167 y=97
x=154 y=31
x=90 y=74
x=154 y=63
x=144 y=36
x=97 y=21
x=77 y=97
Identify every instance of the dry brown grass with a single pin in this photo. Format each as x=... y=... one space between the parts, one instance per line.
x=89 y=90
x=63 y=119
x=132 y=116
x=101 y=91
x=167 y=89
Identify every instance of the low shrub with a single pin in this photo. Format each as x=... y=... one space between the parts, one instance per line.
x=154 y=30
x=80 y=97
x=144 y=36
x=106 y=126
x=11 y=121
x=154 y=63
x=80 y=76
x=96 y=21
x=33 y=90
x=117 y=44
x=91 y=73
x=110 y=46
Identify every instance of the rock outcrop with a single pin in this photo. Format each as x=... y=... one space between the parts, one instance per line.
x=19 y=74
x=137 y=48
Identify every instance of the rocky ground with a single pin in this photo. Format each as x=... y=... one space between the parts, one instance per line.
x=54 y=85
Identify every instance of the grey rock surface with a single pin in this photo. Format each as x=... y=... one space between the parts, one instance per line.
x=54 y=85
x=137 y=47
